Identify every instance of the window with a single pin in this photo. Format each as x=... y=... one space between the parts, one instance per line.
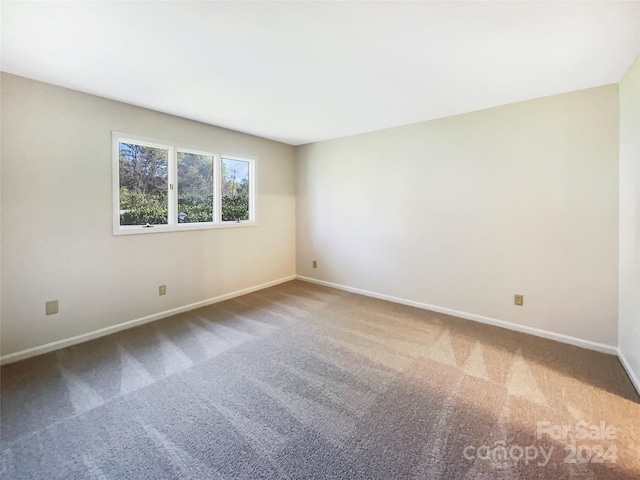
x=235 y=190
x=195 y=188
x=161 y=186
x=144 y=183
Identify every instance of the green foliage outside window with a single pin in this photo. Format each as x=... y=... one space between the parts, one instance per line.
x=144 y=185
x=195 y=188
x=235 y=190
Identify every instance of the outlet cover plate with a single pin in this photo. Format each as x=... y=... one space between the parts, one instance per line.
x=51 y=307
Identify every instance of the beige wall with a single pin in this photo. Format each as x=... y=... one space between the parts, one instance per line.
x=57 y=240
x=629 y=328
x=460 y=212
x=466 y=211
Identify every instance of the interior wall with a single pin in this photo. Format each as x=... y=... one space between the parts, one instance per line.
x=57 y=240
x=466 y=211
x=629 y=313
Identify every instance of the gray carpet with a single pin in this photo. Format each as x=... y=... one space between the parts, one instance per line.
x=302 y=381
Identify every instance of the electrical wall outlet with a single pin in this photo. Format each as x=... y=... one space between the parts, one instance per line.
x=162 y=290
x=315 y=264
x=51 y=307
x=518 y=300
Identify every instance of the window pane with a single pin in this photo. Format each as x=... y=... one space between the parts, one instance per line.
x=143 y=184
x=235 y=190
x=195 y=188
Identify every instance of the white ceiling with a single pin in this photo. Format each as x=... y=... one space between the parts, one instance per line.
x=300 y=72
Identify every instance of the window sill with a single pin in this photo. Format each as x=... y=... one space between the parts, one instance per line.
x=139 y=230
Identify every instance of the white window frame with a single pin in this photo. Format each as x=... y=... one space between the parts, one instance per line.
x=252 y=189
x=172 y=187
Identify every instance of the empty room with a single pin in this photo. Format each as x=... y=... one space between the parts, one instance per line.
x=321 y=240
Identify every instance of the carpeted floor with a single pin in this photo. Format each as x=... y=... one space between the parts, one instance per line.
x=302 y=381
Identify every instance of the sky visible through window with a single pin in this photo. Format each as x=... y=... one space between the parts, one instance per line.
x=241 y=168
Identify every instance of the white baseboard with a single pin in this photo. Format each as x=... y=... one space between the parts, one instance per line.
x=627 y=366
x=600 y=347
x=32 y=352
x=538 y=332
